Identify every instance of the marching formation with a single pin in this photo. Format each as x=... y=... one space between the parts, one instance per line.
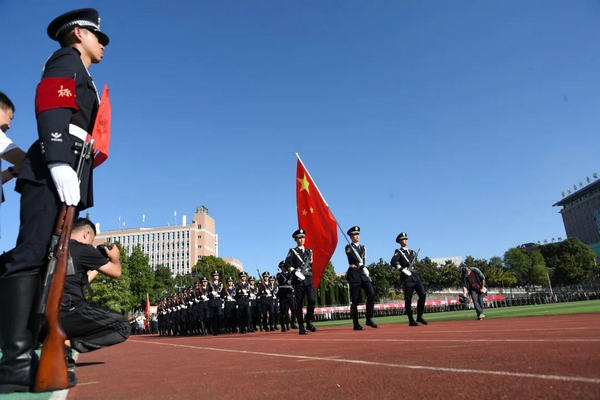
x=240 y=306
x=268 y=303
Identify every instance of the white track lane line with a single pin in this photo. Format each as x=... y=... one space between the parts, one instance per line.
x=377 y=364
x=424 y=340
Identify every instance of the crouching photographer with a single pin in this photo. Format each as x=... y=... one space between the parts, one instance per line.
x=89 y=327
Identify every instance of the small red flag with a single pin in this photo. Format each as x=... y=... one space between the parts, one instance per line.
x=317 y=220
x=147 y=305
x=101 y=132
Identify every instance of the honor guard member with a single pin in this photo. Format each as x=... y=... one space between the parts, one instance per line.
x=285 y=295
x=404 y=260
x=254 y=313
x=299 y=263
x=199 y=307
x=358 y=277
x=265 y=291
x=230 y=307
x=242 y=297
x=205 y=289
x=275 y=325
x=216 y=303
x=66 y=104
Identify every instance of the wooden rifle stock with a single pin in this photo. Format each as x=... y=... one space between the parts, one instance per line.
x=52 y=371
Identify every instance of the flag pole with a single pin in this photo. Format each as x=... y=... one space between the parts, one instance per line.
x=313 y=181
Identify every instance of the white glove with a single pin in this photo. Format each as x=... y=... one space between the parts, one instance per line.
x=66 y=182
x=204 y=298
x=407 y=272
x=268 y=292
x=365 y=272
x=215 y=294
x=229 y=298
x=299 y=275
x=244 y=291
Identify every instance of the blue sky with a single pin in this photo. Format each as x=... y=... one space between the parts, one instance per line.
x=458 y=122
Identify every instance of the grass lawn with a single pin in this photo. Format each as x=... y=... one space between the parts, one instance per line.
x=577 y=307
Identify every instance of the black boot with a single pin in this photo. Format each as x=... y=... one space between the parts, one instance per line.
x=354 y=313
x=18 y=325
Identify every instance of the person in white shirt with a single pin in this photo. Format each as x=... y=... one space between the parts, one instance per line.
x=8 y=150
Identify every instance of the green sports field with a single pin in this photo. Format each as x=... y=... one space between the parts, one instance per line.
x=578 y=307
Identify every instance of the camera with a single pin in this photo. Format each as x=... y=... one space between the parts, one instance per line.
x=102 y=249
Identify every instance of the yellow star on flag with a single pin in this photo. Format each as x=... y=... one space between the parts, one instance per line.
x=304 y=212
x=305 y=184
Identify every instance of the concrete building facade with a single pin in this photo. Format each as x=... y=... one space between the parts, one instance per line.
x=175 y=247
x=581 y=214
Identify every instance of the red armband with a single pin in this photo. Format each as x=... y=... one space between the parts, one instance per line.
x=54 y=93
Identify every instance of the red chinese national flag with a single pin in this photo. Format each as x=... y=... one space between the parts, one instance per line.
x=101 y=132
x=147 y=305
x=316 y=219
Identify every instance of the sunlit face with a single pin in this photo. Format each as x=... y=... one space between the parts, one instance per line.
x=91 y=46
x=355 y=238
x=300 y=241
x=6 y=115
x=404 y=242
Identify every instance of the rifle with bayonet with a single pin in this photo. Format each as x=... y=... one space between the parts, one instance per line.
x=52 y=371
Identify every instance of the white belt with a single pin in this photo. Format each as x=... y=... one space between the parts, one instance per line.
x=78 y=132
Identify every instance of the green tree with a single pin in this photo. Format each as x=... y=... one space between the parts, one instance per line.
x=529 y=266
x=141 y=275
x=330 y=282
x=164 y=284
x=570 y=262
x=449 y=275
x=208 y=264
x=114 y=293
x=386 y=280
x=429 y=273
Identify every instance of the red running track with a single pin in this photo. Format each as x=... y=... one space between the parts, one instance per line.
x=554 y=357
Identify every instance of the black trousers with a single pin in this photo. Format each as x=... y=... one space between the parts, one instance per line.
x=267 y=308
x=230 y=314
x=414 y=284
x=355 y=288
x=92 y=328
x=243 y=308
x=287 y=304
x=307 y=291
x=39 y=211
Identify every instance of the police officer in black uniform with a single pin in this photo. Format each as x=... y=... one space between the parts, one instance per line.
x=242 y=297
x=265 y=290
x=275 y=319
x=285 y=294
x=254 y=300
x=299 y=263
x=215 y=288
x=404 y=260
x=358 y=277
x=230 y=307
x=66 y=104
x=205 y=301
